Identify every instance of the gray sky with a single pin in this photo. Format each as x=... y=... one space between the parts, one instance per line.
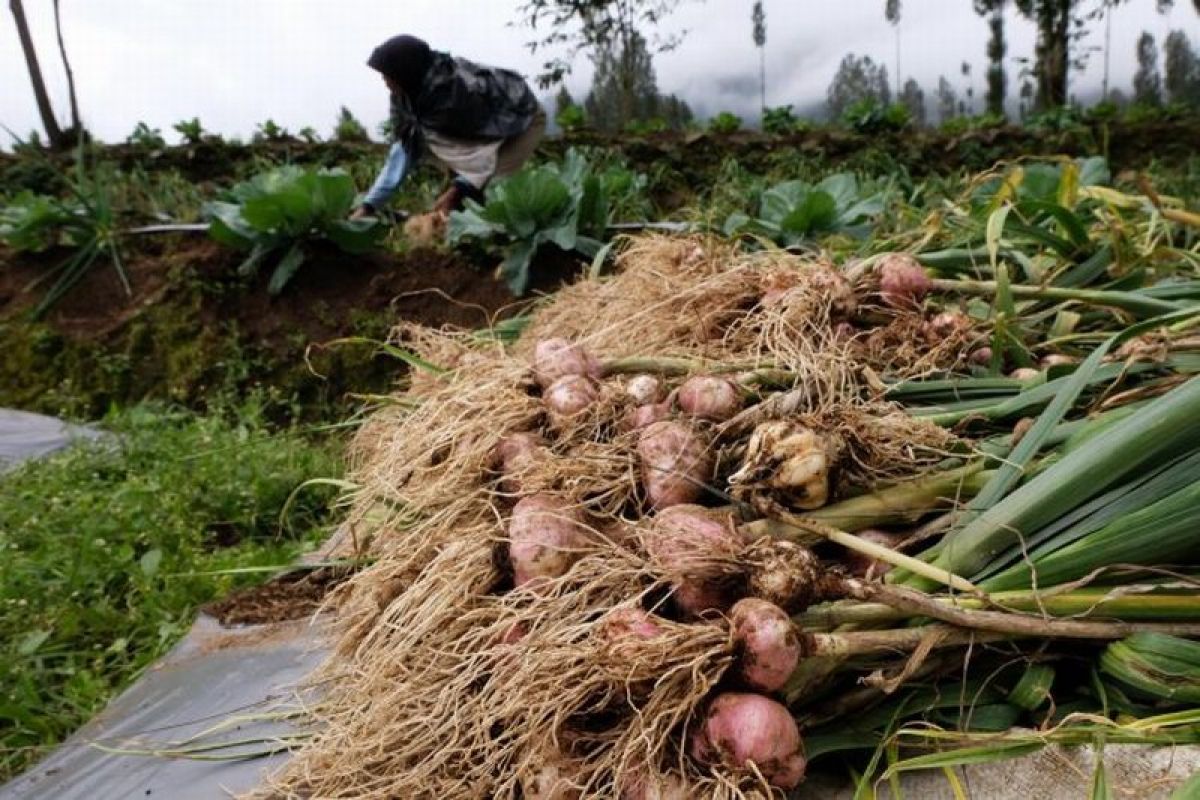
x=235 y=63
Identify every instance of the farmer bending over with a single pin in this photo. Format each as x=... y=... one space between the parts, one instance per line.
x=479 y=121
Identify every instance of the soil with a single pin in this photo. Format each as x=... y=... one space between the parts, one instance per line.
x=99 y=303
x=430 y=286
x=294 y=595
x=193 y=326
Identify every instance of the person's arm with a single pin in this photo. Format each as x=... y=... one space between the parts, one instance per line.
x=395 y=168
x=459 y=189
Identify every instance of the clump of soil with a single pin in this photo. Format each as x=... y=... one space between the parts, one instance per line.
x=294 y=595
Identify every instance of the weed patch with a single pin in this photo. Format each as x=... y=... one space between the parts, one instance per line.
x=109 y=549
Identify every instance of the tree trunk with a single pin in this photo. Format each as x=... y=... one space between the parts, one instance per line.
x=762 y=80
x=996 y=49
x=625 y=111
x=1062 y=55
x=1054 y=32
x=1107 y=48
x=53 y=133
x=76 y=125
x=897 y=27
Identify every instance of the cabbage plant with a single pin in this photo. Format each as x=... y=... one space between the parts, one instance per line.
x=34 y=222
x=275 y=214
x=792 y=212
x=568 y=205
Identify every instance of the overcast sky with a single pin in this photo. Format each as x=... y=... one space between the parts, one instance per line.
x=235 y=63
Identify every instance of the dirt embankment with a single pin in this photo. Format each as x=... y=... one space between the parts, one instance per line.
x=697 y=157
x=192 y=327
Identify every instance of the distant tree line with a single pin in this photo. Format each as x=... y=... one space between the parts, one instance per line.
x=1044 y=78
x=624 y=93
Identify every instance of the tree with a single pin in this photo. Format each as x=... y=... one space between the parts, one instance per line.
x=591 y=26
x=1060 y=24
x=891 y=12
x=1147 y=82
x=997 y=81
x=947 y=101
x=76 y=125
x=675 y=112
x=913 y=98
x=1107 y=7
x=857 y=78
x=54 y=134
x=1182 y=70
x=966 y=105
x=625 y=89
x=568 y=115
x=562 y=100
x=1055 y=22
x=758 y=19
x=346 y=129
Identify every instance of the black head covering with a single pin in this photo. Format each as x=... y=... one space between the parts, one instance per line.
x=404 y=59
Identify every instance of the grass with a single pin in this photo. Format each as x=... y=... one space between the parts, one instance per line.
x=109 y=550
